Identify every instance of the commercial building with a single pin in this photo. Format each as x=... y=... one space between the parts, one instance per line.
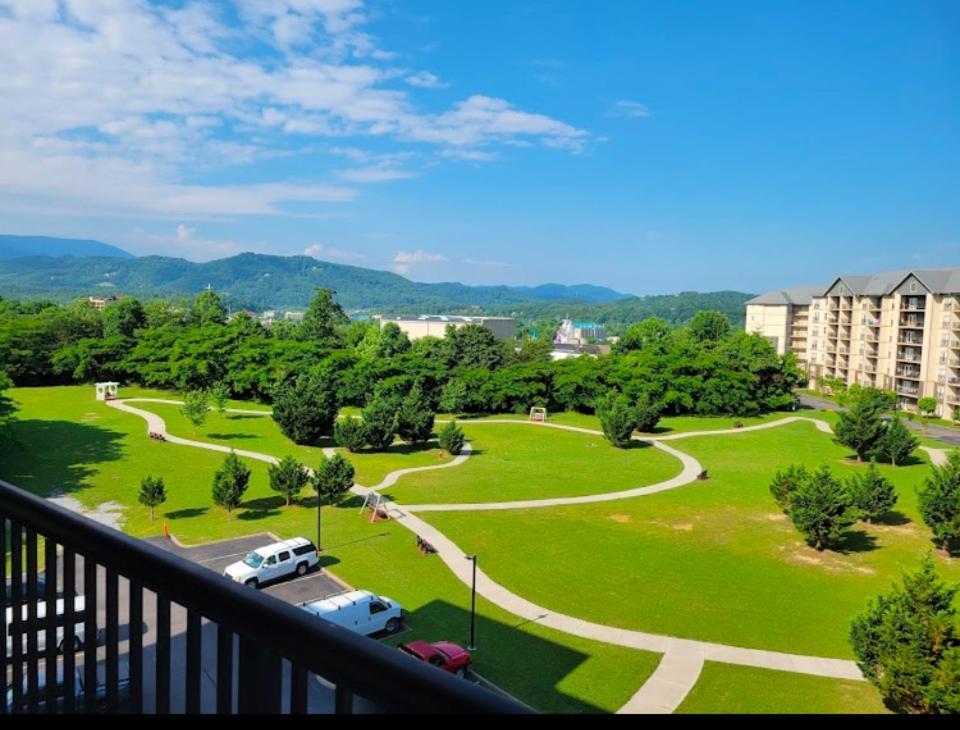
x=435 y=325
x=579 y=333
x=894 y=330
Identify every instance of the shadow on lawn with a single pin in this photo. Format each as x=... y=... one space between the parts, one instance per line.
x=56 y=456
x=230 y=436
x=186 y=514
x=893 y=518
x=244 y=416
x=857 y=541
x=519 y=662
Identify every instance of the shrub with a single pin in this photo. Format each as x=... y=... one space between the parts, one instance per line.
x=820 y=508
x=415 y=418
x=350 y=434
x=379 y=423
x=786 y=482
x=872 y=493
x=939 y=501
x=617 y=419
x=451 y=438
x=896 y=443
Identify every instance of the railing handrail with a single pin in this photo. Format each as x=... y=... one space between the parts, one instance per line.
x=347 y=658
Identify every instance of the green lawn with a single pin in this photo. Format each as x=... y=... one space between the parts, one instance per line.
x=726 y=688
x=69 y=442
x=513 y=462
x=712 y=560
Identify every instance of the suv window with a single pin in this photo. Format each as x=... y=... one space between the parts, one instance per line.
x=376 y=607
x=285 y=555
x=272 y=560
x=303 y=550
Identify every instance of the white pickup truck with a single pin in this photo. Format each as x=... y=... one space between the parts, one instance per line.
x=68 y=638
x=360 y=611
x=272 y=562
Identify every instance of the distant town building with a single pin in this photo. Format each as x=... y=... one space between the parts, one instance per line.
x=895 y=330
x=100 y=303
x=293 y=316
x=579 y=333
x=435 y=325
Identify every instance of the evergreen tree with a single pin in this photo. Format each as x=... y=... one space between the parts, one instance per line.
x=230 y=483
x=123 y=318
x=153 y=493
x=617 y=419
x=331 y=480
x=646 y=414
x=289 y=477
x=939 y=501
x=306 y=409
x=820 y=508
x=207 y=310
x=380 y=422
x=350 y=434
x=195 y=407
x=906 y=643
x=786 y=482
x=861 y=426
x=453 y=397
x=451 y=438
x=871 y=493
x=323 y=318
x=896 y=443
x=8 y=409
x=415 y=418
x=392 y=341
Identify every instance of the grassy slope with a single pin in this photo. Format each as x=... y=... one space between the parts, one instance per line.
x=71 y=443
x=712 y=560
x=746 y=690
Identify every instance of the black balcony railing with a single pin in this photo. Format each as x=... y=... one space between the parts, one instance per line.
x=261 y=651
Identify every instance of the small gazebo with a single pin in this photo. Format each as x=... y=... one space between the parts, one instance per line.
x=107 y=391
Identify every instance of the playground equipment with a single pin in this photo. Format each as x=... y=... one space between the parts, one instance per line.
x=538 y=415
x=106 y=391
x=375 y=501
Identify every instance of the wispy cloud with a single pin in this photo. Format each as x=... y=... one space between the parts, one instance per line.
x=631 y=109
x=404 y=261
x=425 y=80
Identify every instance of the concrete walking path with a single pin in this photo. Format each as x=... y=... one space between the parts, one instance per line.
x=682 y=659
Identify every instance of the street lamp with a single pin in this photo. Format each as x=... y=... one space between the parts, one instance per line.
x=473 y=605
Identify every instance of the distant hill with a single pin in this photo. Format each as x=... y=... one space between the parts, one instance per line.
x=257 y=281
x=12 y=247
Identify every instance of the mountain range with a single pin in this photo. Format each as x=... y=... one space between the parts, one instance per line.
x=259 y=281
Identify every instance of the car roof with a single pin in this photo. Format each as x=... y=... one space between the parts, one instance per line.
x=274 y=547
x=340 y=600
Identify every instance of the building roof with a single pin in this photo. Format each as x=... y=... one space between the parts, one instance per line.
x=449 y=318
x=801 y=295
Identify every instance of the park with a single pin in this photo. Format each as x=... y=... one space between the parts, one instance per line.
x=611 y=579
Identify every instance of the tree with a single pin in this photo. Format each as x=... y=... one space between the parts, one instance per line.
x=153 y=493
x=392 y=341
x=331 y=480
x=8 y=409
x=896 y=443
x=306 y=409
x=821 y=509
x=646 y=414
x=617 y=419
x=220 y=394
x=871 y=493
x=473 y=346
x=451 y=438
x=230 y=483
x=195 y=407
x=415 y=417
x=323 y=318
x=208 y=310
x=288 y=477
x=350 y=434
x=785 y=483
x=707 y=327
x=380 y=422
x=906 y=643
x=939 y=501
x=861 y=426
x=927 y=406
x=123 y=318
x=650 y=334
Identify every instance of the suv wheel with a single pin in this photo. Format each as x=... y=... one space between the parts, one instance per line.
x=392 y=625
x=301 y=569
x=252 y=583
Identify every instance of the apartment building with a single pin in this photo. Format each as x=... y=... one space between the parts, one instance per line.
x=895 y=330
x=435 y=325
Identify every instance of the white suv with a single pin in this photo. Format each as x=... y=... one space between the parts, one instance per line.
x=273 y=562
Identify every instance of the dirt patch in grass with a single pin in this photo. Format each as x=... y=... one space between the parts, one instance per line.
x=622 y=519
x=777 y=517
x=684 y=527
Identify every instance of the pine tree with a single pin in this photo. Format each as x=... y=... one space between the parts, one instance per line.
x=415 y=417
x=350 y=434
x=230 y=483
x=872 y=493
x=331 y=480
x=646 y=414
x=289 y=477
x=906 y=643
x=861 y=426
x=786 y=482
x=306 y=409
x=153 y=493
x=380 y=422
x=939 y=501
x=617 y=419
x=820 y=508
x=896 y=443
x=451 y=438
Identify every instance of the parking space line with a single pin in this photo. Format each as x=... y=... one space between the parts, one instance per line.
x=220 y=557
x=297 y=580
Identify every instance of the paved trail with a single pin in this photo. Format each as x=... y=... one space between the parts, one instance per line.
x=680 y=667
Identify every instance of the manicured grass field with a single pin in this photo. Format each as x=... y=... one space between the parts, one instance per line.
x=69 y=442
x=725 y=688
x=513 y=462
x=712 y=560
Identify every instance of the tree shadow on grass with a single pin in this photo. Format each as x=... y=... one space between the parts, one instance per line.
x=265 y=503
x=893 y=518
x=188 y=513
x=56 y=456
x=230 y=436
x=857 y=541
x=245 y=416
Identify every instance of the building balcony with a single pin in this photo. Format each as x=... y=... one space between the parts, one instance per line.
x=228 y=649
x=908 y=374
x=903 y=357
x=909 y=392
x=910 y=341
x=913 y=308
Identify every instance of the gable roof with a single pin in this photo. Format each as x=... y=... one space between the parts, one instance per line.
x=801 y=295
x=937 y=281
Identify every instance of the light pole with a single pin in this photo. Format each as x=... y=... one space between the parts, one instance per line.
x=472 y=646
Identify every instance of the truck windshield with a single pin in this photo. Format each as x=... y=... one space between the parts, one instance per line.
x=254 y=560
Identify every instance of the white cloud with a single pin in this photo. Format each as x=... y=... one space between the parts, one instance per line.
x=632 y=109
x=403 y=261
x=375 y=174
x=115 y=106
x=320 y=251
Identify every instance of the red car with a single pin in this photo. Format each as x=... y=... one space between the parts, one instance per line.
x=441 y=654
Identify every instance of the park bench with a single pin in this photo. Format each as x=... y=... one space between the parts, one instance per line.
x=703 y=476
x=424 y=547
x=156 y=436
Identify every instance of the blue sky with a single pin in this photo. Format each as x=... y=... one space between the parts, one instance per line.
x=651 y=147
